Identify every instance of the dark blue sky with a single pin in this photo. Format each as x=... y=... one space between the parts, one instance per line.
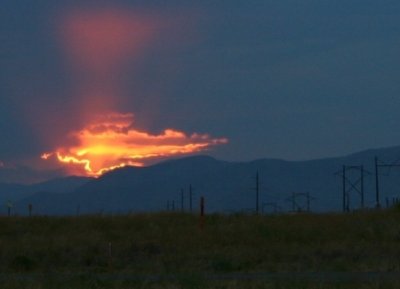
x=280 y=79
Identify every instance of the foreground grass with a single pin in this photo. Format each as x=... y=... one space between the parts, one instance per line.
x=93 y=284
x=173 y=244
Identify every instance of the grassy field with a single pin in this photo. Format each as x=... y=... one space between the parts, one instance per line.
x=169 y=250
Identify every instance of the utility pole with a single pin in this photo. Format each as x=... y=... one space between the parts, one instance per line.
x=257 y=192
x=378 y=205
x=344 y=187
x=362 y=186
x=190 y=198
x=30 y=210
x=294 y=201
x=182 y=200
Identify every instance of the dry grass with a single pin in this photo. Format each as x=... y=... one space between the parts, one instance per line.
x=168 y=244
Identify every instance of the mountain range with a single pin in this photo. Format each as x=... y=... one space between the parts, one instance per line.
x=227 y=187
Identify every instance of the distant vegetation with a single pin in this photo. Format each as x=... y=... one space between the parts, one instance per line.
x=169 y=250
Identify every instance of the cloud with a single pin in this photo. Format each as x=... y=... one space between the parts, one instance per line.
x=111 y=142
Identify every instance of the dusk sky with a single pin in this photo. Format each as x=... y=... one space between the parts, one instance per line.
x=237 y=80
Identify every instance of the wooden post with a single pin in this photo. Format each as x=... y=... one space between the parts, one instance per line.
x=202 y=213
x=30 y=210
x=110 y=259
x=9 y=206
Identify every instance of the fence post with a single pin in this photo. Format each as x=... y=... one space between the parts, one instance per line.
x=202 y=213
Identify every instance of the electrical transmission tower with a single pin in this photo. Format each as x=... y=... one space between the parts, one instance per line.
x=257 y=190
x=380 y=164
x=276 y=208
x=352 y=183
x=297 y=200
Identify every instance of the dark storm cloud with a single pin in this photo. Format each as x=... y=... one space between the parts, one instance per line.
x=293 y=79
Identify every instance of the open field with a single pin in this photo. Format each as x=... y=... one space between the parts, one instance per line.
x=169 y=250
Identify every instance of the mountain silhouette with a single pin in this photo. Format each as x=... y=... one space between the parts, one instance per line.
x=226 y=186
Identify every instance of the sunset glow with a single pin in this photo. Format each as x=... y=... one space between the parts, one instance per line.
x=111 y=142
x=99 y=40
x=99 y=43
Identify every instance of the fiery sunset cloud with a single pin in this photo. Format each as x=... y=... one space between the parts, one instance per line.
x=112 y=142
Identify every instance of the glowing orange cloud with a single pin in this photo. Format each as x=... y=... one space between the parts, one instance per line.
x=111 y=142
